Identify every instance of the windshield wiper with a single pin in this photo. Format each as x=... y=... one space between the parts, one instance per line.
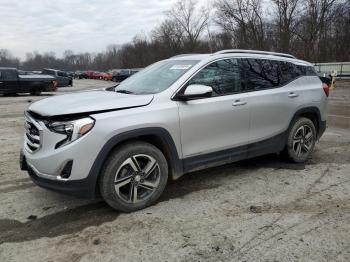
x=123 y=91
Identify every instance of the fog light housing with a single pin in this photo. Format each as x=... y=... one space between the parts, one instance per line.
x=66 y=171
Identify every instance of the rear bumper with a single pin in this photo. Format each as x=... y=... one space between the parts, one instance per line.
x=83 y=188
x=321 y=129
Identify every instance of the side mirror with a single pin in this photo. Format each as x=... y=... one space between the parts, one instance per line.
x=110 y=88
x=195 y=92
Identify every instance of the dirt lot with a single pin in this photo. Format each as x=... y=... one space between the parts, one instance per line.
x=262 y=209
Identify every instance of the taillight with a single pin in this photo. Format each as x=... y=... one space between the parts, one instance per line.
x=326 y=89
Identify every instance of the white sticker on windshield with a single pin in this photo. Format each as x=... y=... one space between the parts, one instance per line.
x=180 y=67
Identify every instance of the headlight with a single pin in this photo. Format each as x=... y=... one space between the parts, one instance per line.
x=72 y=129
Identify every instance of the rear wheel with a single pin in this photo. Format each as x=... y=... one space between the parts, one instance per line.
x=301 y=140
x=35 y=92
x=134 y=176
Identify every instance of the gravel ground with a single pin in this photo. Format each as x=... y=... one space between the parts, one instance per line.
x=262 y=209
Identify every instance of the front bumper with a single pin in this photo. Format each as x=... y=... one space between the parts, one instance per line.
x=49 y=162
x=84 y=188
x=67 y=169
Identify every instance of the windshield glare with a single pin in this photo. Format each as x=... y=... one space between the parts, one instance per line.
x=156 y=78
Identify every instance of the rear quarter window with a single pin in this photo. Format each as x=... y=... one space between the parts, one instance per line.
x=310 y=71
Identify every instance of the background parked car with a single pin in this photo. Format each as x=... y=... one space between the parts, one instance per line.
x=81 y=74
x=63 y=79
x=107 y=76
x=70 y=74
x=12 y=82
x=123 y=74
x=97 y=75
x=89 y=74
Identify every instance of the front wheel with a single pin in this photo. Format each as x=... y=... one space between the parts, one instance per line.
x=301 y=140
x=133 y=177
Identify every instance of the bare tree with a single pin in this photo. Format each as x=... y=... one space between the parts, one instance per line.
x=315 y=30
x=242 y=19
x=339 y=43
x=170 y=33
x=191 y=19
x=7 y=59
x=313 y=25
x=286 y=19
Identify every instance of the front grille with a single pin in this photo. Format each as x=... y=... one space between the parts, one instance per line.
x=32 y=135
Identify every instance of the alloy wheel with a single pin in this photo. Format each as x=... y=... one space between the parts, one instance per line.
x=137 y=178
x=303 y=140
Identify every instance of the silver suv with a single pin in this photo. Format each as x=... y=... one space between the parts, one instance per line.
x=178 y=115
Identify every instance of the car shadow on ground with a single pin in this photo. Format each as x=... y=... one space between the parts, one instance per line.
x=73 y=220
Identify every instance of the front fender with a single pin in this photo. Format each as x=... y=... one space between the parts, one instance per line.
x=161 y=133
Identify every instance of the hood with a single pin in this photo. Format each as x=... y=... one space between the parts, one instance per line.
x=87 y=102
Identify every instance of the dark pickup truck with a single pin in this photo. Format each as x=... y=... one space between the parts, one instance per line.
x=11 y=82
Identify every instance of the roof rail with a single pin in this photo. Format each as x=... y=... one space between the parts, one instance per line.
x=183 y=55
x=231 y=51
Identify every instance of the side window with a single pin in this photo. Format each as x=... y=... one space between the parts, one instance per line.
x=223 y=76
x=289 y=72
x=300 y=70
x=9 y=75
x=259 y=74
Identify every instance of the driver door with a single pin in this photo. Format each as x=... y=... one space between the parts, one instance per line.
x=218 y=124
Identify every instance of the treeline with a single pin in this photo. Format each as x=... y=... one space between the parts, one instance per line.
x=313 y=30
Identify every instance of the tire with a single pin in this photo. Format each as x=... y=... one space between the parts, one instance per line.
x=301 y=140
x=121 y=166
x=35 y=92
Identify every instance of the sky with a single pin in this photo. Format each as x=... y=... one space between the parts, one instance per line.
x=78 y=25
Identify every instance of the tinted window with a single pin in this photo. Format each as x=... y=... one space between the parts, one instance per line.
x=8 y=75
x=310 y=71
x=124 y=72
x=49 y=72
x=260 y=74
x=289 y=71
x=223 y=76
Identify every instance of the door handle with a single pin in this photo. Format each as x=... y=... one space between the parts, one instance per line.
x=239 y=103
x=293 y=95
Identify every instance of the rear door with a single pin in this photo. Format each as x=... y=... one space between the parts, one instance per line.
x=219 y=122
x=274 y=97
x=62 y=78
x=9 y=82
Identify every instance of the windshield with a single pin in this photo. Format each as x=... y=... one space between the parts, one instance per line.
x=155 y=78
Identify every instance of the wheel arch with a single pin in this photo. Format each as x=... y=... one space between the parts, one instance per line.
x=312 y=113
x=157 y=136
